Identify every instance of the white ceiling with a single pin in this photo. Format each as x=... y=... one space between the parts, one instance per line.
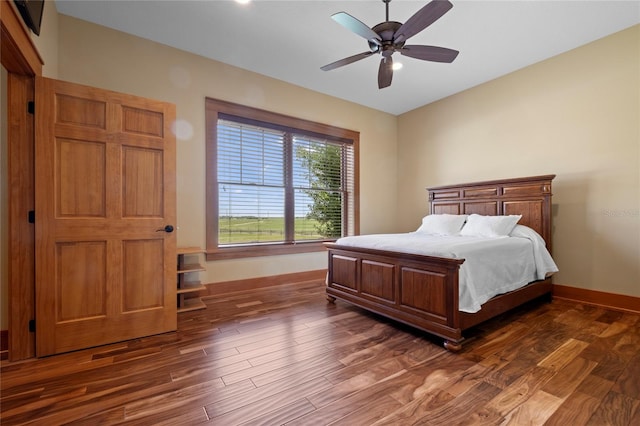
x=291 y=40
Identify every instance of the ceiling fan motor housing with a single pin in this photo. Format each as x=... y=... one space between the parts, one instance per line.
x=390 y=36
x=386 y=31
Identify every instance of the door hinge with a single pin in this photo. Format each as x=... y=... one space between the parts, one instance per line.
x=32 y=326
x=32 y=216
x=31 y=107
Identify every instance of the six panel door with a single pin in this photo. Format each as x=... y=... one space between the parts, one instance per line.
x=105 y=191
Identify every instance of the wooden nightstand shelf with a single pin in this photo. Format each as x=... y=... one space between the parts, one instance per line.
x=188 y=267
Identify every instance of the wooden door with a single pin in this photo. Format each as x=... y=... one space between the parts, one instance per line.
x=105 y=191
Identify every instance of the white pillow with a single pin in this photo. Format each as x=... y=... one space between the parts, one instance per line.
x=489 y=226
x=442 y=224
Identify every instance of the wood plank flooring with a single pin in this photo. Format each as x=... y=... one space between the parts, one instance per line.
x=284 y=355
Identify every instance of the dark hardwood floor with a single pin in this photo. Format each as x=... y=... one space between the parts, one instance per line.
x=284 y=355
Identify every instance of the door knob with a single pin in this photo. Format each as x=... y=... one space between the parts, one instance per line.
x=167 y=229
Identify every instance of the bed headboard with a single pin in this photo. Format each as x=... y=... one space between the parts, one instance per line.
x=528 y=196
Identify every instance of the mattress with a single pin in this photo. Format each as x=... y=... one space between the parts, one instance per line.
x=492 y=266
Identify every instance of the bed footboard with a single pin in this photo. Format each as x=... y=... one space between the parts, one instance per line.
x=420 y=291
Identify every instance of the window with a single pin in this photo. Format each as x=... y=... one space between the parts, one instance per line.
x=276 y=184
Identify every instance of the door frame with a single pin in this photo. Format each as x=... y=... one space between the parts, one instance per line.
x=23 y=62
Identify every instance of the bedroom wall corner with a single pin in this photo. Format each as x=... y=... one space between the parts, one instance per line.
x=574 y=115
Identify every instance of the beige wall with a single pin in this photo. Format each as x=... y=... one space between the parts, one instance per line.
x=47 y=42
x=97 y=56
x=576 y=115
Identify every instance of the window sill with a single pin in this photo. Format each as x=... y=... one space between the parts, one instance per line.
x=239 y=252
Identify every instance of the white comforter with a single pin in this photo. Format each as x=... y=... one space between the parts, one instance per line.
x=492 y=266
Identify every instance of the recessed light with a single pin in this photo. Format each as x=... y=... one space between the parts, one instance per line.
x=397 y=66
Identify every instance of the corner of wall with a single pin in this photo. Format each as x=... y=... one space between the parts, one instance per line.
x=47 y=41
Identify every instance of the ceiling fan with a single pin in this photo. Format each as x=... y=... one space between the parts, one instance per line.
x=389 y=37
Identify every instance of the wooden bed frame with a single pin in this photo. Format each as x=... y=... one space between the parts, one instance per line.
x=422 y=291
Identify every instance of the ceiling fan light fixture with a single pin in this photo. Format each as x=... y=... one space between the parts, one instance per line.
x=389 y=37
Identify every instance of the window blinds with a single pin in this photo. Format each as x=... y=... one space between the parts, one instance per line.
x=277 y=185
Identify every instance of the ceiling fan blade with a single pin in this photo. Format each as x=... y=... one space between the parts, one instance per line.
x=420 y=20
x=385 y=72
x=356 y=26
x=345 y=61
x=429 y=53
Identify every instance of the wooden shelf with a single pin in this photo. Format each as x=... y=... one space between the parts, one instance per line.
x=189 y=264
x=192 y=305
x=189 y=250
x=191 y=267
x=190 y=287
